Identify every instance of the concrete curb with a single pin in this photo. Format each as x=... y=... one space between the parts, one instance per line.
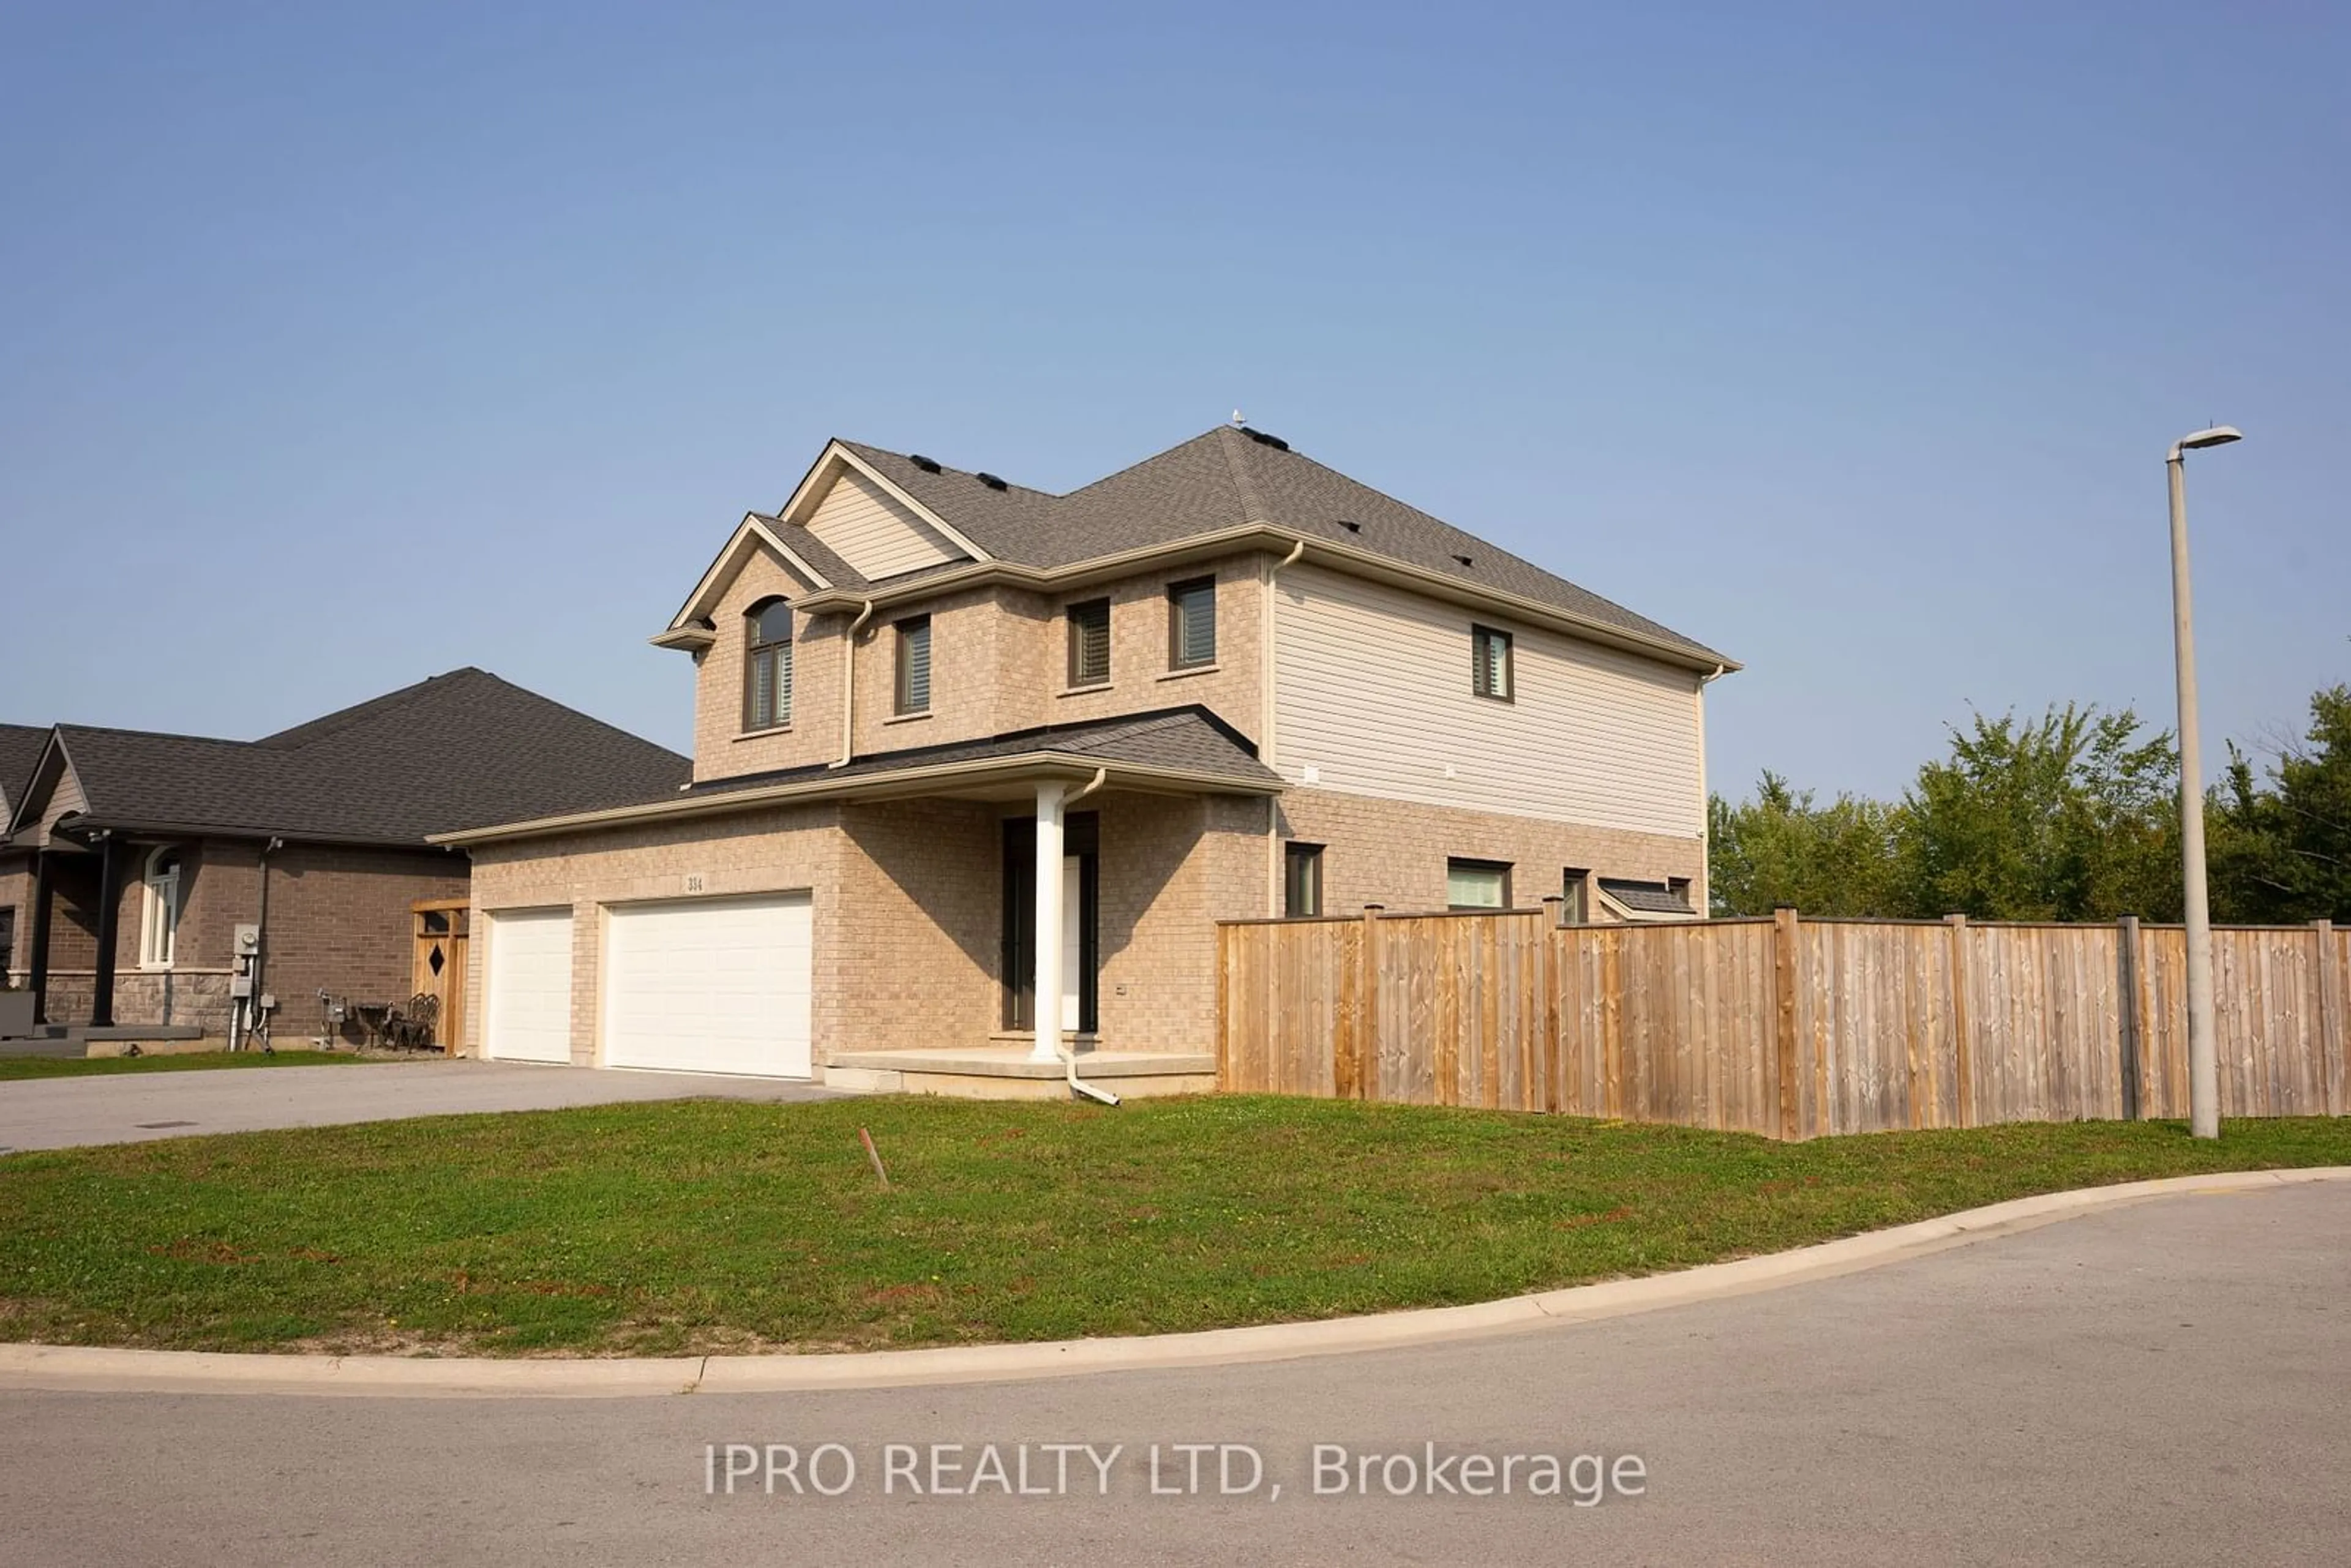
x=85 y=1369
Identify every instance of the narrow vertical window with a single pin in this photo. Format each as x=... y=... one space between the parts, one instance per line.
x=914 y=664
x=1192 y=623
x=1089 y=643
x=1489 y=662
x=159 y=920
x=1575 y=884
x=768 y=666
x=1302 y=880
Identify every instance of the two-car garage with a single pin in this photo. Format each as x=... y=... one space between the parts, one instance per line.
x=706 y=985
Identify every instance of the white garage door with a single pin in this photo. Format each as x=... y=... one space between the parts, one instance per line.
x=710 y=986
x=531 y=986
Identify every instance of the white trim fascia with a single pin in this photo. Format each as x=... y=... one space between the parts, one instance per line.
x=754 y=526
x=1077 y=764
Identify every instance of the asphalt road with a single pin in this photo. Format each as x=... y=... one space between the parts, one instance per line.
x=2168 y=1382
x=121 y=1108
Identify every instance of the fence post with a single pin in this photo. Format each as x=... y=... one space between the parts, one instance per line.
x=1962 y=1043
x=1785 y=941
x=1612 y=1023
x=1364 y=1048
x=2126 y=986
x=1224 y=1010
x=1547 y=1003
x=2332 y=1027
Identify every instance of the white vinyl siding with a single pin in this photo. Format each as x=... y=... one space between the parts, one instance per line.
x=530 y=985
x=710 y=986
x=875 y=531
x=1370 y=692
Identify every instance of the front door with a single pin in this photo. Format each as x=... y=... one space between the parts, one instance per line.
x=1080 y=921
x=439 y=969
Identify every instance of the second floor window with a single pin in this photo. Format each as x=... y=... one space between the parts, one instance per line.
x=1489 y=662
x=1089 y=643
x=1192 y=623
x=768 y=673
x=914 y=664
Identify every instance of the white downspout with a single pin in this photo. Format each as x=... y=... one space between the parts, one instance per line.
x=1705 y=824
x=849 y=686
x=1270 y=707
x=1052 y=806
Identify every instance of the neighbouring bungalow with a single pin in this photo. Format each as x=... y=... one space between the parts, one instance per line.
x=185 y=891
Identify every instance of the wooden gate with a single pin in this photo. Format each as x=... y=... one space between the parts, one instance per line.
x=441 y=931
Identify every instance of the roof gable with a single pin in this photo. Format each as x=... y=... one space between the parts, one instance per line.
x=878 y=535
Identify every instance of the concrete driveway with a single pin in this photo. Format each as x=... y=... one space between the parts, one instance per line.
x=59 y=1112
x=2166 y=1382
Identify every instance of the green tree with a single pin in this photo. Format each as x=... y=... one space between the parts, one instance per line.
x=2068 y=817
x=1782 y=848
x=2281 y=854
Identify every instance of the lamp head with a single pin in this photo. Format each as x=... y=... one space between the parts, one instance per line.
x=2218 y=436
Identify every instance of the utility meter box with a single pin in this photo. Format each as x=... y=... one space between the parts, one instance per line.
x=247 y=941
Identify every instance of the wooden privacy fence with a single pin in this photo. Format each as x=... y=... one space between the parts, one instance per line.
x=1783 y=1025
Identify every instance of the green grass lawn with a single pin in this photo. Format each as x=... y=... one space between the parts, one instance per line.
x=186 y=1062
x=722 y=1226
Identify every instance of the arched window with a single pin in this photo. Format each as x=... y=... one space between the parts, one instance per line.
x=159 y=919
x=768 y=666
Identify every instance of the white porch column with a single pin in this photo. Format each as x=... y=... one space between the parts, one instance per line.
x=1047 y=978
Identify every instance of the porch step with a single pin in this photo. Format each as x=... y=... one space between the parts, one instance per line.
x=1012 y=1061
x=993 y=1073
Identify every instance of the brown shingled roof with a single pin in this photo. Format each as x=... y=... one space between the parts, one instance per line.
x=1226 y=478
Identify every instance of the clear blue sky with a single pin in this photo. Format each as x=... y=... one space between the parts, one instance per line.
x=340 y=346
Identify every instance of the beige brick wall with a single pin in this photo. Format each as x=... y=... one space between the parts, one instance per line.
x=914 y=964
x=1037 y=691
x=1171 y=868
x=721 y=749
x=999 y=662
x=1394 y=852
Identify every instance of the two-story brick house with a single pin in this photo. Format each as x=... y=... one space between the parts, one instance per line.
x=937 y=713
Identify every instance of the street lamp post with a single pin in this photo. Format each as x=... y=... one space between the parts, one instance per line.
x=2203 y=1066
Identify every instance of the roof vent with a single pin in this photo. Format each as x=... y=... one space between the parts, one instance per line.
x=1463 y=559
x=1262 y=439
x=991 y=481
x=927 y=464
x=1352 y=526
